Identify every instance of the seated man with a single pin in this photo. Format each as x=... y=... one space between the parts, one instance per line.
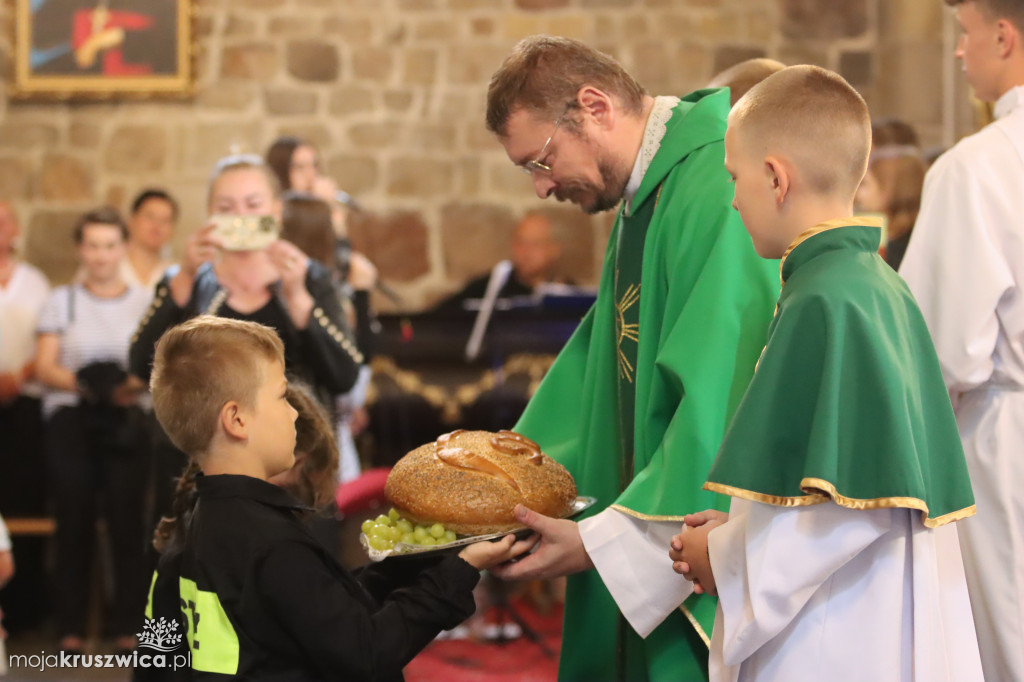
x=535 y=253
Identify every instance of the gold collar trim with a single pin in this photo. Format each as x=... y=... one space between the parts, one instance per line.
x=820 y=491
x=864 y=221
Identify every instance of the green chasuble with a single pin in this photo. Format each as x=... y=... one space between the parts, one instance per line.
x=848 y=403
x=679 y=321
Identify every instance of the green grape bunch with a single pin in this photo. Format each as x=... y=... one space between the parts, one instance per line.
x=388 y=530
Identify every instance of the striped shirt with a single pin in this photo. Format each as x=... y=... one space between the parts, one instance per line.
x=91 y=329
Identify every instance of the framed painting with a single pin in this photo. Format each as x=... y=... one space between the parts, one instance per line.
x=102 y=49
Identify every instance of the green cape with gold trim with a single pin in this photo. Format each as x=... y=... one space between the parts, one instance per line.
x=705 y=302
x=848 y=402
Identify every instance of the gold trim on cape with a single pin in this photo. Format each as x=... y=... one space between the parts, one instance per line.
x=645 y=517
x=862 y=221
x=696 y=625
x=820 y=491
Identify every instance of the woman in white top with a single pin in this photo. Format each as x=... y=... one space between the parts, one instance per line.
x=95 y=438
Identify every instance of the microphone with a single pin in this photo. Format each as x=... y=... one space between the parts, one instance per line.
x=346 y=199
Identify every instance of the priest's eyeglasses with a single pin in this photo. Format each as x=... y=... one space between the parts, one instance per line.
x=530 y=167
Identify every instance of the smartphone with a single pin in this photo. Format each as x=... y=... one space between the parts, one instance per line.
x=245 y=232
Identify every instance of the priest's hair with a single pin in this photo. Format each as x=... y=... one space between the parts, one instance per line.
x=544 y=74
x=815 y=119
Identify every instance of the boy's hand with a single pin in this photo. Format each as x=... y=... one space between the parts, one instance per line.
x=485 y=555
x=689 y=550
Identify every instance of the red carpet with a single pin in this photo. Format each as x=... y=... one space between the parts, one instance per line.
x=519 y=660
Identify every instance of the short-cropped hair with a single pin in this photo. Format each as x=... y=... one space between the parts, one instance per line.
x=544 y=74
x=201 y=365
x=105 y=215
x=816 y=118
x=998 y=9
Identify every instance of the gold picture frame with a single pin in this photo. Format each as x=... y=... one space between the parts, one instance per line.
x=103 y=49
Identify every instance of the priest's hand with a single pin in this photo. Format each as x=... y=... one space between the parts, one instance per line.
x=559 y=551
x=689 y=550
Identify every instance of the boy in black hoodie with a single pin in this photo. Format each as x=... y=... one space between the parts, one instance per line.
x=260 y=599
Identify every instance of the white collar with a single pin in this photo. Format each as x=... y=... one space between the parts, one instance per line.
x=1010 y=100
x=654 y=132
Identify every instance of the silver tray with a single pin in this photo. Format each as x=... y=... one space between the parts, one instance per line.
x=579 y=505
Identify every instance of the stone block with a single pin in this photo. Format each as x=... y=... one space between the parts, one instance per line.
x=417 y=5
x=373 y=63
x=482 y=26
x=579 y=26
x=237 y=25
x=469 y=176
x=28 y=136
x=433 y=30
x=474 y=237
x=505 y=179
x=254 y=61
x=294 y=25
x=64 y=179
x=474 y=64
x=207 y=143
x=814 y=20
x=136 y=149
x=419 y=177
x=911 y=20
x=397 y=243
x=14 y=179
x=857 y=68
x=541 y=5
x=226 y=95
x=352 y=30
x=431 y=136
x=350 y=99
x=798 y=53
x=49 y=244
x=313 y=61
x=398 y=100
x=518 y=26
x=419 y=66
x=85 y=134
x=730 y=55
x=318 y=135
x=373 y=136
x=356 y=174
x=289 y=102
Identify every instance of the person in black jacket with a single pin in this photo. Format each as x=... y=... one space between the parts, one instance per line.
x=260 y=598
x=278 y=286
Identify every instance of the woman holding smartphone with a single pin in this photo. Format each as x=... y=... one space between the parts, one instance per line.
x=278 y=286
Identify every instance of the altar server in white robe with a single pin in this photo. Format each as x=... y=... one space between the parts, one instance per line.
x=839 y=557
x=965 y=265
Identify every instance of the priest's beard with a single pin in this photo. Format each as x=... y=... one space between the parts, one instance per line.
x=593 y=198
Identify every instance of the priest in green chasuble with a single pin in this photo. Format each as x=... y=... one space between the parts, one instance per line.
x=839 y=557
x=636 y=404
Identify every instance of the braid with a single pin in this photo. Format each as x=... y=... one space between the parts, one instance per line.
x=170 y=530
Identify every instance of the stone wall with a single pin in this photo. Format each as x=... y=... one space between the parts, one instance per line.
x=392 y=92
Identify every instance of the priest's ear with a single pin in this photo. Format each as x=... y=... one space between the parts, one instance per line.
x=777 y=173
x=597 y=105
